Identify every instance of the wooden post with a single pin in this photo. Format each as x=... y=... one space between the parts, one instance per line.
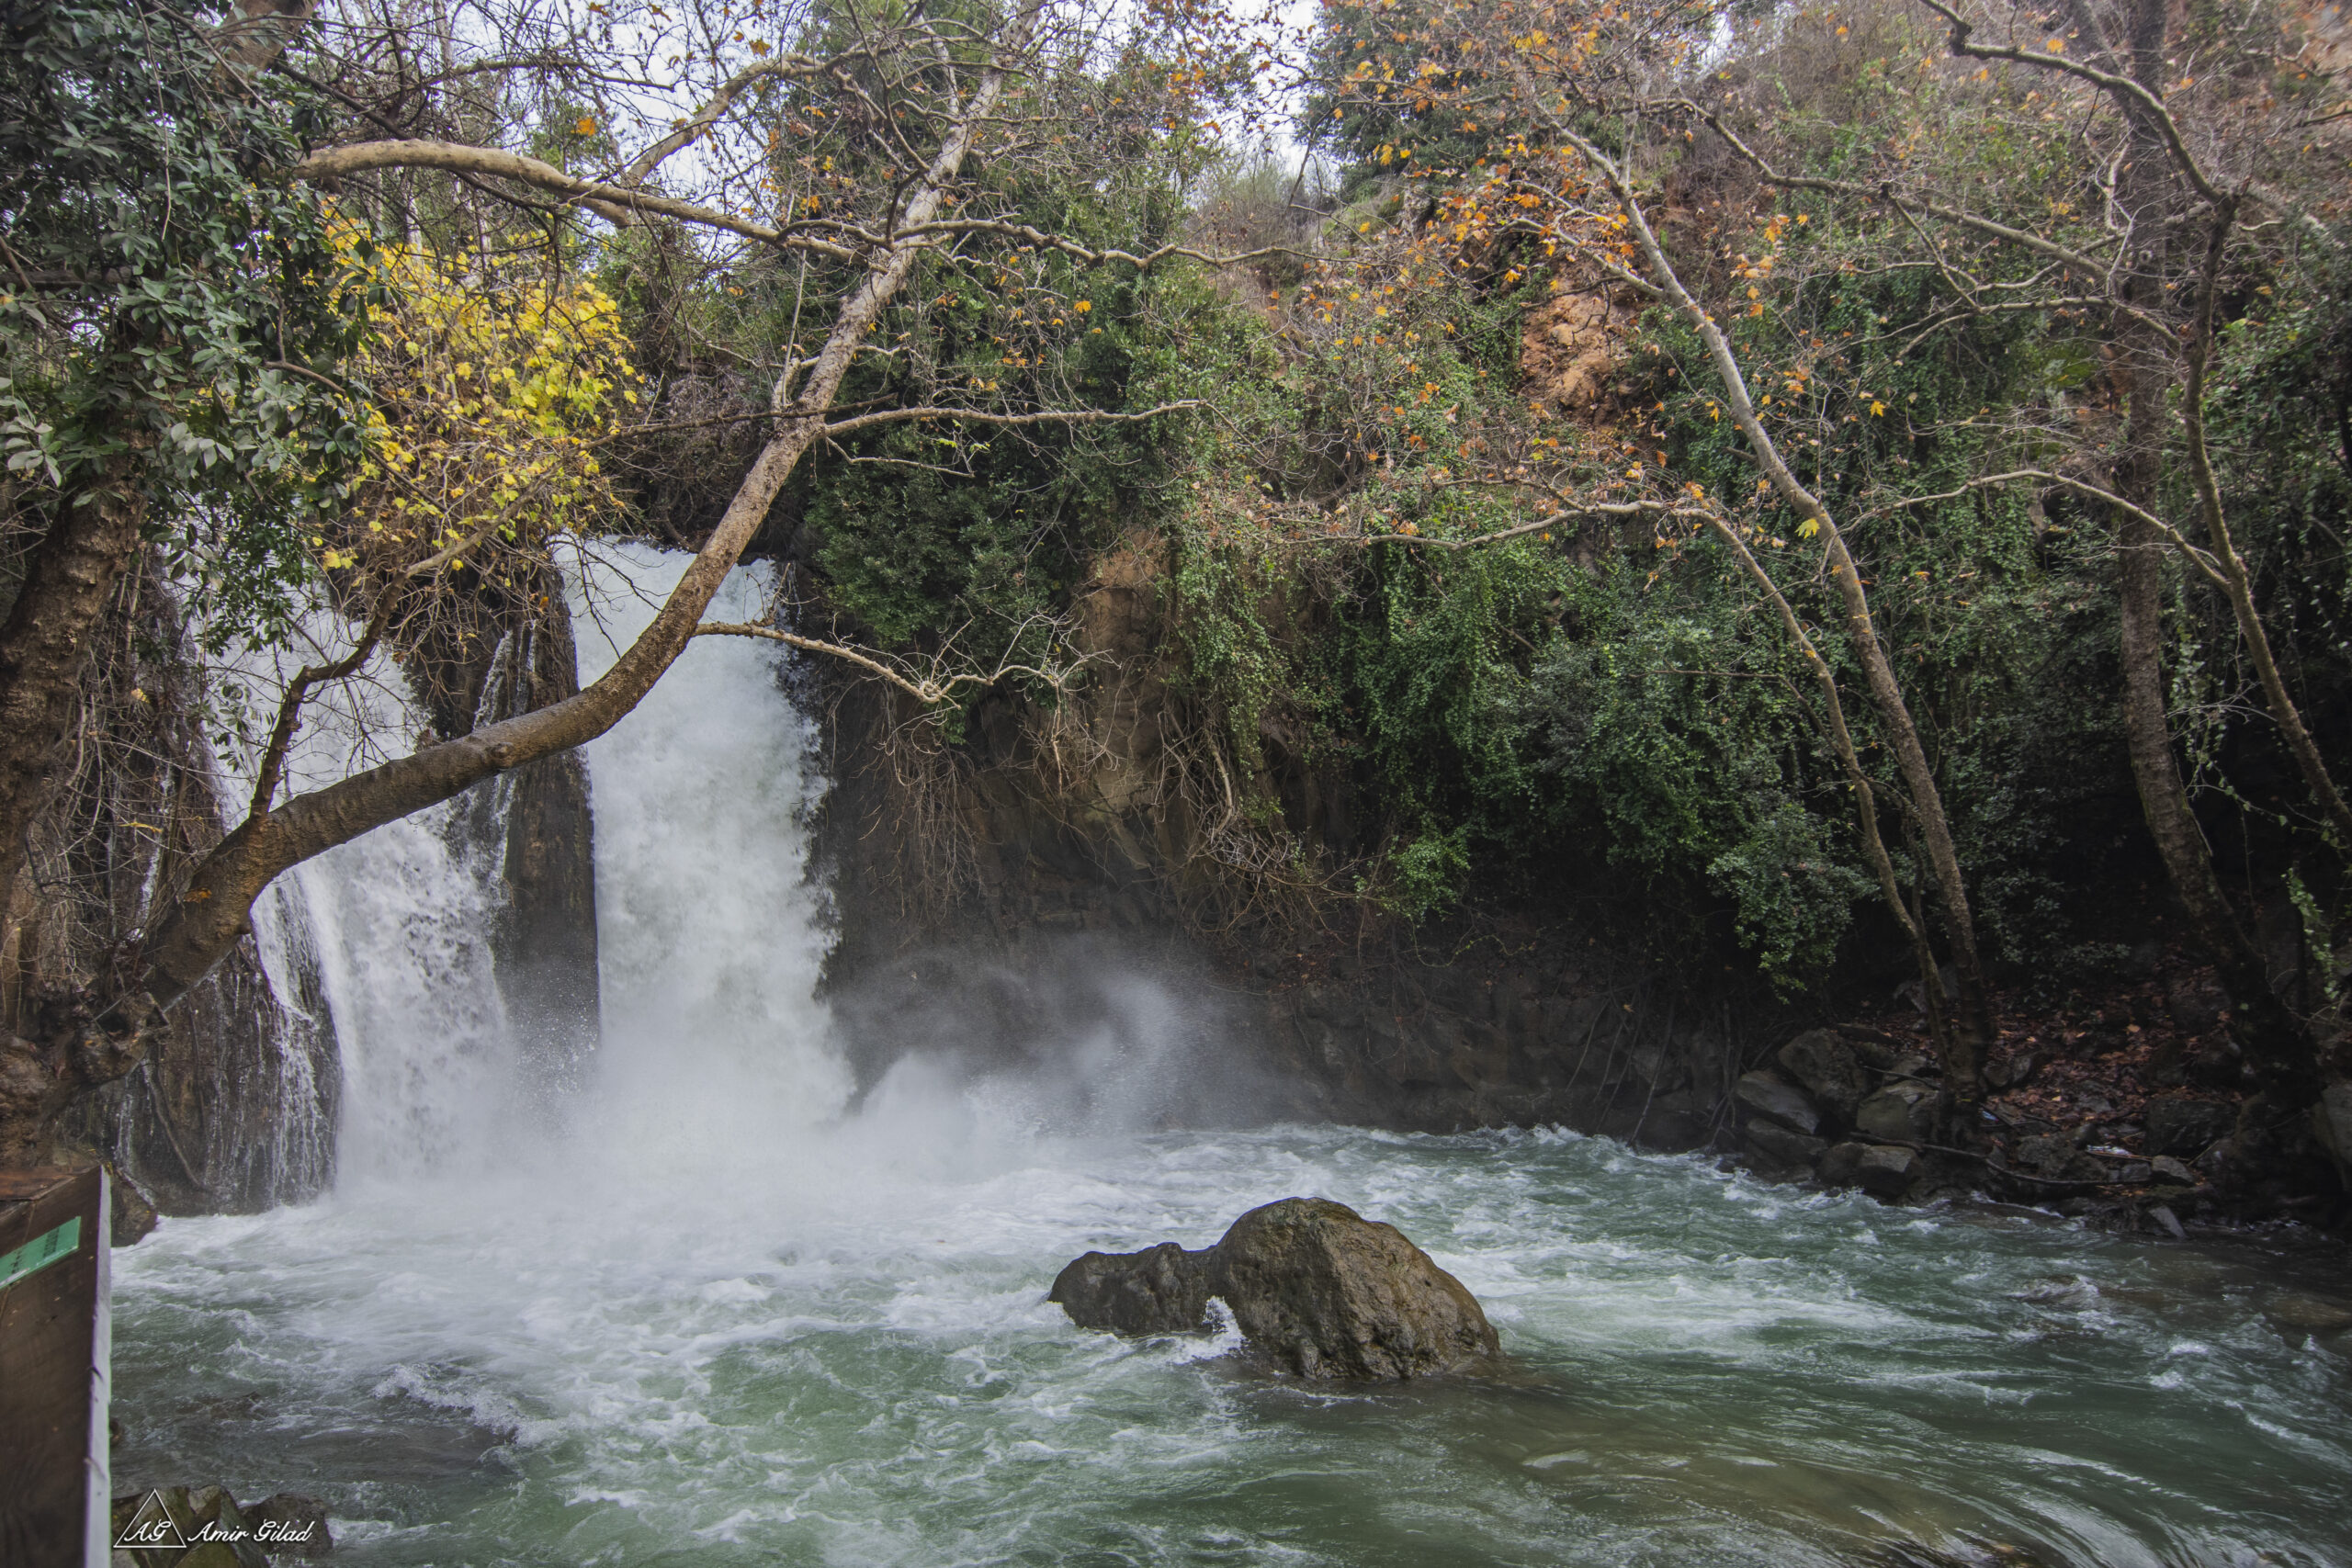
x=56 y=1345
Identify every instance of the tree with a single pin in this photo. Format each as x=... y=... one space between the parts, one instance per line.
x=170 y=340
x=1853 y=201
x=1548 y=84
x=2126 y=244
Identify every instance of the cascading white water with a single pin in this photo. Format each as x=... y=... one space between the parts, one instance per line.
x=713 y=1315
x=300 y=1157
x=710 y=933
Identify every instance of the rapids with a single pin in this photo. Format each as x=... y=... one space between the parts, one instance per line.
x=709 y=1309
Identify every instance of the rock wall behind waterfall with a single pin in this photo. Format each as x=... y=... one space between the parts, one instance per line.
x=1017 y=872
x=544 y=943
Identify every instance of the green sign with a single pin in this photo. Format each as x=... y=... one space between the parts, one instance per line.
x=41 y=1252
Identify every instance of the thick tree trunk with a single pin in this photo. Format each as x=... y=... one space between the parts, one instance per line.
x=2277 y=1046
x=74 y=570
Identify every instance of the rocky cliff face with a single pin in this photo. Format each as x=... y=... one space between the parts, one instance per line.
x=989 y=893
x=544 y=947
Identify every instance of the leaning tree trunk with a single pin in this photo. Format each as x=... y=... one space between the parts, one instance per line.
x=2278 y=1045
x=1974 y=1031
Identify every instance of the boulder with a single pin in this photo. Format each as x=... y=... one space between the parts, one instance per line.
x=1782 y=1146
x=1774 y=1099
x=1839 y=1165
x=1162 y=1290
x=219 y=1525
x=2179 y=1124
x=1316 y=1290
x=1885 y=1171
x=2298 y=1312
x=132 y=1218
x=1828 y=1070
x=1323 y=1292
x=1899 y=1113
x=2167 y=1168
x=2054 y=1156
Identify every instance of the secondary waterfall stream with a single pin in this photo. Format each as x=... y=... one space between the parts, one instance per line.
x=706 y=1310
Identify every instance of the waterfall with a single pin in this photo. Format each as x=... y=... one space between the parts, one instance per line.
x=711 y=939
x=712 y=935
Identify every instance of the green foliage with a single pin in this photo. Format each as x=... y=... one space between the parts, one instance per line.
x=173 y=306
x=1426 y=873
x=1673 y=717
x=1613 y=707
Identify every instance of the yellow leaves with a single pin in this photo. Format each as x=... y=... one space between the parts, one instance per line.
x=1083 y=306
x=543 y=365
x=584 y=126
x=2056 y=46
x=1877 y=408
x=1808 y=528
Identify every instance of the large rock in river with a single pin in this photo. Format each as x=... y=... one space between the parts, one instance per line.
x=1316 y=1289
x=1162 y=1290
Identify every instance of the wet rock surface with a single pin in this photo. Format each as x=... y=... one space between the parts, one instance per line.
x=1317 y=1291
x=2179 y=1124
x=1772 y=1097
x=1162 y=1290
x=1829 y=1071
